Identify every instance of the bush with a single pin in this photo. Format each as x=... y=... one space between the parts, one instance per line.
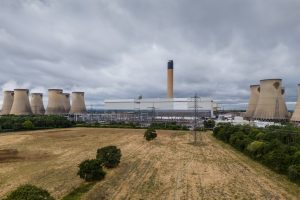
x=256 y=148
x=28 y=125
x=91 y=170
x=209 y=124
x=294 y=172
x=109 y=156
x=29 y=192
x=150 y=134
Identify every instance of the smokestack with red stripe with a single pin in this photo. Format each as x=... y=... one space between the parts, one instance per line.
x=170 y=92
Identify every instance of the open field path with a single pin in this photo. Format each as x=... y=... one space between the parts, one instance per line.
x=169 y=167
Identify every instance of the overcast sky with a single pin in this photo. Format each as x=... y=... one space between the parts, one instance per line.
x=120 y=48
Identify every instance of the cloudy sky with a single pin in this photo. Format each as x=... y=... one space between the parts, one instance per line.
x=120 y=48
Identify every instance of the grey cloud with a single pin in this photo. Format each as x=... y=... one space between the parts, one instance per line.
x=119 y=49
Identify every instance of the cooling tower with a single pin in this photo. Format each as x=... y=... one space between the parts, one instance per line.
x=55 y=102
x=8 y=99
x=296 y=114
x=254 y=96
x=271 y=103
x=36 y=103
x=21 y=105
x=66 y=99
x=170 y=92
x=78 y=104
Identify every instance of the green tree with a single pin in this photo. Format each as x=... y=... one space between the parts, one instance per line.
x=150 y=134
x=256 y=148
x=29 y=192
x=294 y=172
x=91 y=170
x=109 y=156
x=28 y=125
x=209 y=124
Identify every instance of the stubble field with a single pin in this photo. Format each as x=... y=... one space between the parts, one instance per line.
x=169 y=167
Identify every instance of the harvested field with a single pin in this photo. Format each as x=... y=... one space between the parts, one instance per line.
x=166 y=168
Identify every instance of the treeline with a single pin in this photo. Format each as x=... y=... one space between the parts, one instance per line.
x=277 y=147
x=160 y=126
x=168 y=126
x=18 y=123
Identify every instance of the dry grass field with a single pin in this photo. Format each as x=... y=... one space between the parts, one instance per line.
x=166 y=168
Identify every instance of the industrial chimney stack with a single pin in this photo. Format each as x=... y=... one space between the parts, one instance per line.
x=21 y=105
x=36 y=103
x=170 y=92
x=8 y=99
x=254 y=96
x=55 y=102
x=78 y=103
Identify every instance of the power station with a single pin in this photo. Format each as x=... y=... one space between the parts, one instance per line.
x=165 y=106
x=17 y=103
x=266 y=103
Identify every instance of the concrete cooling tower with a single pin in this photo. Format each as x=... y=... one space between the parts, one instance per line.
x=271 y=103
x=36 y=103
x=296 y=114
x=8 y=99
x=55 y=102
x=21 y=105
x=67 y=104
x=78 y=103
x=254 y=96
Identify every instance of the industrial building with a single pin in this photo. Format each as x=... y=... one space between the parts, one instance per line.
x=254 y=96
x=78 y=103
x=55 y=102
x=173 y=106
x=36 y=103
x=267 y=101
x=296 y=114
x=21 y=105
x=8 y=99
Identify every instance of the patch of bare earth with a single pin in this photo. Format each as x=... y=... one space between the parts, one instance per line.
x=166 y=168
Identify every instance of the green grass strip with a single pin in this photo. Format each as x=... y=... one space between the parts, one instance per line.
x=78 y=192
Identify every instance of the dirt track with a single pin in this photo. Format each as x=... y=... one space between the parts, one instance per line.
x=167 y=168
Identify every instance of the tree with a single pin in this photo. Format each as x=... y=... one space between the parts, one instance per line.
x=209 y=124
x=26 y=192
x=91 y=170
x=150 y=134
x=28 y=125
x=294 y=172
x=109 y=156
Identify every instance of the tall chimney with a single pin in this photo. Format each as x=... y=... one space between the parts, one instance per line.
x=170 y=92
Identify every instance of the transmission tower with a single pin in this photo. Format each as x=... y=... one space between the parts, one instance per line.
x=196 y=115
